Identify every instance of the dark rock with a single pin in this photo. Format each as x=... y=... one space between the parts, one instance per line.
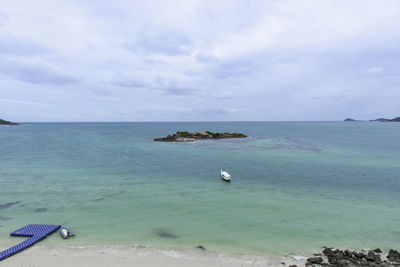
x=380 y=119
x=165 y=234
x=169 y=138
x=387 y=120
x=108 y=196
x=344 y=262
x=358 y=255
x=3 y=218
x=293 y=265
x=371 y=256
x=328 y=251
x=335 y=256
x=201 y=247
x=353 y=258
x=393 y=256
x=395 y=119
x=40 y=210
x=348 y=258
x=315 y=260
x=9 y=204
x=348 y=253
x=4 y=122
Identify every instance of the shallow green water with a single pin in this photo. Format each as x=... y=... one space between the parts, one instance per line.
x=296 y=186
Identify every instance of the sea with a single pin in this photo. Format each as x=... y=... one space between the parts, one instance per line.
x=296 y=186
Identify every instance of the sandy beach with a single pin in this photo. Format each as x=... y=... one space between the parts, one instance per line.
x=121 y=256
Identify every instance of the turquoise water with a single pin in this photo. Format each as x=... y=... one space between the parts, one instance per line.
x=296 y=186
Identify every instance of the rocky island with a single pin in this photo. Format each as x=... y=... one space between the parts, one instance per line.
x=379 y=119
x=388 y=120
x=188 y=137
x=4 y=122
x=397 y=119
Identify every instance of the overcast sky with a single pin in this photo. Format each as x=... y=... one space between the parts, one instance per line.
x=84 y=60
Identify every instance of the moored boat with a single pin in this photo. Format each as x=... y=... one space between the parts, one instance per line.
x=65 y=232
x=225 y=176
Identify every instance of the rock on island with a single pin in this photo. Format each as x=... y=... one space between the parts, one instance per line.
x=397 y=119
x=188 y=137
x=4 y=122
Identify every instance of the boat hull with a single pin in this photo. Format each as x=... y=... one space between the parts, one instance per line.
x=66 y=233
x=226 y=179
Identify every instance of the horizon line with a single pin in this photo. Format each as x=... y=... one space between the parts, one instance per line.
x=184 y=121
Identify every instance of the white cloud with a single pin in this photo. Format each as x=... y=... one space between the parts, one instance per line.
x=374 y=70
x=267 y=60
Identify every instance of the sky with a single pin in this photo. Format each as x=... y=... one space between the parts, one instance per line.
x=303 y=60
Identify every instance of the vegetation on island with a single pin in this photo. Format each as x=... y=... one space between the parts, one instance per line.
x=379 y=119
x=387 y=120
x=187 y=136
x=397 y=119
x=4 y=122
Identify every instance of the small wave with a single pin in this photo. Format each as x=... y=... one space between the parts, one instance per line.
x=171 y=253
x=298 y=257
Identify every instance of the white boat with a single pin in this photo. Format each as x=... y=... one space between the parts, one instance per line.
x=225 y=176
x=66 y=233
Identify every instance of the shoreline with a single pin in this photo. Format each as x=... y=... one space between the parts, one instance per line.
x=91 y=256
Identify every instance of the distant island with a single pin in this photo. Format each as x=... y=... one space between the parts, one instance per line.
x=387 y=120
x=379 y=119
x=188 y=137
x=4 y=122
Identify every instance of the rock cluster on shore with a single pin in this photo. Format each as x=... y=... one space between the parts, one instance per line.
x=188 y=137
x=4 y=122
x=353 y=258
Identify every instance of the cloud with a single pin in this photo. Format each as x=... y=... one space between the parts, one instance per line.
x=34 y=72
x=129 y=83
x=264 y=60
x=3 y=18
x=232 y=72
x=164 y=42
x=204 y=58
x=18 y=102
x=222 y=95
x=156 y=82
x=374 y=70
x=13 y=46
x=173 y=90
x=335 y=97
